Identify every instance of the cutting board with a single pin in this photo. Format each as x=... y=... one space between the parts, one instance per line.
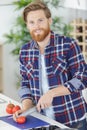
x=31 y=122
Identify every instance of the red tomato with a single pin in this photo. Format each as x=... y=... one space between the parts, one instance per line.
x=16 y=108
x=9 y=108
x=21 y=119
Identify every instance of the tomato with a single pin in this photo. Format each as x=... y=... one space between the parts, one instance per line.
x=9 y=108
x=21 y=119
x=16 y=108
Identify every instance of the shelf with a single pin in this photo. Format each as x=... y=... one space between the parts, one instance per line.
x=80 y=34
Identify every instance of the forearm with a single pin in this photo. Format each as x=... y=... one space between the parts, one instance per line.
x=26 y=104
x=46 y=100
x=59 y=91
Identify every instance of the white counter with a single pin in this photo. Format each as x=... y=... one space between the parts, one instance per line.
x=4 y=100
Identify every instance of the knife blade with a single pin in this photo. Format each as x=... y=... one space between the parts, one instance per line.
x=28 y=112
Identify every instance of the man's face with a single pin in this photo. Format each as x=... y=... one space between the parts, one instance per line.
x=38 y=25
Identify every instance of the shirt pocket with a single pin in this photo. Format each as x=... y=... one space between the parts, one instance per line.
x=59 y=65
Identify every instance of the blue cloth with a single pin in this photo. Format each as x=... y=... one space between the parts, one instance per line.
x=65 y=65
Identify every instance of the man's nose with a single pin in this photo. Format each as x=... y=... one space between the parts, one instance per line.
x=36 y=25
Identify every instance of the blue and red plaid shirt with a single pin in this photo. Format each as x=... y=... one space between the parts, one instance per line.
x=65 y=65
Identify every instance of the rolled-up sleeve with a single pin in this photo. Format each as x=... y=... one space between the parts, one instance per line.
x=74 y=85
x=24 y=93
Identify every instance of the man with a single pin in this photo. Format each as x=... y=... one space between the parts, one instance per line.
x=53 y=71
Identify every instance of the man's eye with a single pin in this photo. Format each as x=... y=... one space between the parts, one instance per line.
x=31 y=22
x=40 y=20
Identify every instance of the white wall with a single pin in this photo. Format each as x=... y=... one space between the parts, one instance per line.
x=80 y=4
x=11 y=67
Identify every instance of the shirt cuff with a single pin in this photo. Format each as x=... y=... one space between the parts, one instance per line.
x=24 y=93
x=74 y=85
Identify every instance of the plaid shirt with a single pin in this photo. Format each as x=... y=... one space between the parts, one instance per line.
x=65 y=65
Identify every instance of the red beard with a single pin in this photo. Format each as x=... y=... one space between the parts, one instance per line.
x=40 y=37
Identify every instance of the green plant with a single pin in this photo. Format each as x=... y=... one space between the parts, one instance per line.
x=67 y=29
x=19 y=34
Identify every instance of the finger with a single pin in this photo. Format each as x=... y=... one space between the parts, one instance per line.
x=38 y=107
x=42 y=106
x=46 y=106
x=14 y=117
x=16 y=114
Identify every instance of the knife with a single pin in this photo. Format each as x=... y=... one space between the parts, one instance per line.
x=42 y=117
x=28 y=112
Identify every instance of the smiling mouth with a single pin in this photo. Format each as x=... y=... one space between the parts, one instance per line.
x=38 y=31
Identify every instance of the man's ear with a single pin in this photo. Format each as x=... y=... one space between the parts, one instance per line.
x=50 y=21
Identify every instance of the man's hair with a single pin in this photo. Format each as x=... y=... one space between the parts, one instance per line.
x=33 y=6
